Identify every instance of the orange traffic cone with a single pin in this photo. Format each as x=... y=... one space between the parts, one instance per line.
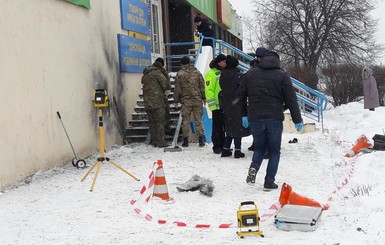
x=160 y=186
x=361 y=143
x=288 y=196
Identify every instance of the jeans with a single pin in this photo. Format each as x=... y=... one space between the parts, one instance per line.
x=267 y=134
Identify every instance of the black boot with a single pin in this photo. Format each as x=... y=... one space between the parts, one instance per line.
x=201 y=142
x=239 y=154
x=185 y=142
x=270 y=186
x=226 y=153
x=250 y=179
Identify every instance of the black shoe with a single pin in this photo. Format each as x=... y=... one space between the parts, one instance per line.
x=185 y=142
x=226 y=153
x=217 y=151
x=201 y=142
x=251 y=148
x=250 y=179
x=239 y=154
x=270 y=186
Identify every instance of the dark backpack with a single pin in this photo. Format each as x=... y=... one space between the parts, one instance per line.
x=379 y=142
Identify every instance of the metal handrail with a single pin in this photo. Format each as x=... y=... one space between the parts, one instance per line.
x=311 y=101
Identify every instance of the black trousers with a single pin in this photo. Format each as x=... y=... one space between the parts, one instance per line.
x=218 y=130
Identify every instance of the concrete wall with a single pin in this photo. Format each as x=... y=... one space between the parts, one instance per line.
x=52 y=56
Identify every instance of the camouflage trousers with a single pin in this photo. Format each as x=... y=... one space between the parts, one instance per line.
x=167 y=123
x=192 y=111
x=156 y=120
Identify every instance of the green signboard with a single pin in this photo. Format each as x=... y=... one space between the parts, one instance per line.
x=84 y=3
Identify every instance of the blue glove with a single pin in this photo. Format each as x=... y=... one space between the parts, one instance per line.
x=299 y=126
x=245 y=122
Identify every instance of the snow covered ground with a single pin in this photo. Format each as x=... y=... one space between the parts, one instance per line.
x=54 y=207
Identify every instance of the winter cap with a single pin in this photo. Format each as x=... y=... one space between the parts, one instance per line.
x=185 y=60
x=261 y=52
x=220 y=58
x=197 y=19
x=231 y=62
x=160 y=60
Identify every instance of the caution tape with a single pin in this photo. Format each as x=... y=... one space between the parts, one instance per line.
x=146 y=194
x=144 y=189
x=343 y=183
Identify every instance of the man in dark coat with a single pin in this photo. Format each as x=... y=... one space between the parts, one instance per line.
x=229 y=82
x=206 y=28
x=259 y=53
x=268 y=88
x=155 y=84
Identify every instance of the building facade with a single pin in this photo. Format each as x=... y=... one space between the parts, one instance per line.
x=54 y=54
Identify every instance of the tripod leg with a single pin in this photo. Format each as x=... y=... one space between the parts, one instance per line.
x=96 y=175
x=119 y=167
x=89 y=171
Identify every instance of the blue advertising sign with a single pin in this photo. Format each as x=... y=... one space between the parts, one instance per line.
x=134 y=54
x=134 y=16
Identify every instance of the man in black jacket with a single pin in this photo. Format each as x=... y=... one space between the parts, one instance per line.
x=206 y=29
x=268 y=88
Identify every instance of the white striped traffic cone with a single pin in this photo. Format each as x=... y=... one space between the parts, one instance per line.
x=160 y=187
x=361 y=143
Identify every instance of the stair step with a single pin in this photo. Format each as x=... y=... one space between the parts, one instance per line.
x=138 y=128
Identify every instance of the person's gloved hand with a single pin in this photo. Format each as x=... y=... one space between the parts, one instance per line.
x=245 y=122
x=299 y=126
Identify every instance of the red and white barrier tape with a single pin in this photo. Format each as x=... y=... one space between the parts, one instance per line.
x=344 y=182
x=274 y=208
x=146 y=192
x=144 y=189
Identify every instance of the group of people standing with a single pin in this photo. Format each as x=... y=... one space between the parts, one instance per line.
x=241 y=104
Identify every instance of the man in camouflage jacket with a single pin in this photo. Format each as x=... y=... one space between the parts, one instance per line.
x=155 y=84
x=190 y=92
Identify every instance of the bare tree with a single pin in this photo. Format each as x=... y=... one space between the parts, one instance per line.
x=311 y=33
x=342 y=83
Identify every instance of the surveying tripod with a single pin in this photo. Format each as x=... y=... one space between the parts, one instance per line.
x=102 y=96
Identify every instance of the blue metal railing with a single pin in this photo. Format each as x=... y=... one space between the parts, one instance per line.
x=312 y=103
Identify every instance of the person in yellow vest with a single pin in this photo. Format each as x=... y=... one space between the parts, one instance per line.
x=212 y=90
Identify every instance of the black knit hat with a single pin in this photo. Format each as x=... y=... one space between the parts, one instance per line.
x=160 y=60
x=261 y=52
x=197 y=19
x=185 y=60
x=220 y=58
x=231 y=62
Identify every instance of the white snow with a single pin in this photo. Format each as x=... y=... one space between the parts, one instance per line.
x=54 y=207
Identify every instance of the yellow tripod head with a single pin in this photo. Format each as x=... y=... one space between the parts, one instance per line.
x=100 y=99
